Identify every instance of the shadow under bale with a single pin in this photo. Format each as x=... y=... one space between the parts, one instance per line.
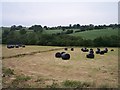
x=58 y=55
x=65 y=56
x=90 y=55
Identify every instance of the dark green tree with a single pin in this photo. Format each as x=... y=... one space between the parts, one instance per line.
x=22 y=31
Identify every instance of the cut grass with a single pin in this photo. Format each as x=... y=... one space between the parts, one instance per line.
x=28 y=49
x=78 y=68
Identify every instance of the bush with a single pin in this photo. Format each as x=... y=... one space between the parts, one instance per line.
x=20 y=82
x=8 y=71
x=75 y=84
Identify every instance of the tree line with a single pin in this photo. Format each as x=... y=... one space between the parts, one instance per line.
x=37 y=38
x=39 y=28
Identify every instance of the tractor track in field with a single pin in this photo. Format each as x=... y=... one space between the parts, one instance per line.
x=31 y=53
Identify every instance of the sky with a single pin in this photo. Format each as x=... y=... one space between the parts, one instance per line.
x=58 y=13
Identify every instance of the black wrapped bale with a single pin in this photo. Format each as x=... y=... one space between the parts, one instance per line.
x=16 y=46
x=66 y=49
x=20 y=45
x=106 y=50
x=84 y=50
x=98 y=51
x=58 y=55
x=90 y=55
x=81 y=49
x=102 y=52
x=62 y=53
x=10 y=46
x=23 y=46
x=65 y=56
x=72 y=49
x=91 y=51
x=112 y=49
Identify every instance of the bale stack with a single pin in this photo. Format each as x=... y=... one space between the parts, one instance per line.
x=91 y=54
x=102 y=52
x=84 y=50
x=106 y=50
x=10 y=46
x=63 y=55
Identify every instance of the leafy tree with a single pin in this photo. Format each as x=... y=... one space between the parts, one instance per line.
x=45 y=27
x=19 y=27
x=13 y=28
x=22 y=31
x=36 y=28
x=69 y=31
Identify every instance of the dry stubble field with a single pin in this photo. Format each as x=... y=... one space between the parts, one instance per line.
x=41 y=70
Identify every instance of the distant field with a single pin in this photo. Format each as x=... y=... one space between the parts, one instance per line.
x=52 y=31
x=96 y=33
x=44 y=70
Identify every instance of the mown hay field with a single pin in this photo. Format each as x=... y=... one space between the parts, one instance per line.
x=42 y=70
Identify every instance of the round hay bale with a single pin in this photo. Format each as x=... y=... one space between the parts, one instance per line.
x=84 y=50
x=90 y=56
x=66 y=49
x=65 y=56
x=16 y=46
x=91 y=51
x=97 y=52
x=112 y=50
x=10 y=46
x=72 y=49
x=58 y=55
x=102 y=52
x=106 y=50
x=62 y=53
x=23 y=46
x=98 y=49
